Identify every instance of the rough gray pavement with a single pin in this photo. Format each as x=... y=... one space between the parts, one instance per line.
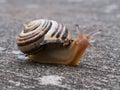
x=99 y=68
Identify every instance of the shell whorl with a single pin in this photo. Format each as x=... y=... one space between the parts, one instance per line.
x=39 y=31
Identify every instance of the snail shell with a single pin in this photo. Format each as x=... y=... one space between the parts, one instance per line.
x=40 y=32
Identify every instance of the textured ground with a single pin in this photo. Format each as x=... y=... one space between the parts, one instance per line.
x=99 y=69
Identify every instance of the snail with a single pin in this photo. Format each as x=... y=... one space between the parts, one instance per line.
x=47 y=41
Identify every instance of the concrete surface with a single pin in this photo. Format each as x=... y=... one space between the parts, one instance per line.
x=99 y=69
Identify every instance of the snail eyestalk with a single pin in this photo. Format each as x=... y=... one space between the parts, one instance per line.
x=77 y=28
x=94 y=33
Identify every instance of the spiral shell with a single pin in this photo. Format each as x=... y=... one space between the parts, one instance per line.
x=40 y=32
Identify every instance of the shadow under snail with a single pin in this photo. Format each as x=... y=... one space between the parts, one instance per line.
x=47 y=41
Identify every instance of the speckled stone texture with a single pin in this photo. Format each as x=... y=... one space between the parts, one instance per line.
x=99 y=68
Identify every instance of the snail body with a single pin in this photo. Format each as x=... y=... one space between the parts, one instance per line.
x=47 y=41
x=69 y=55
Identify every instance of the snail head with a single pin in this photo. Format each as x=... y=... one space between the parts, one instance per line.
x=81 y=36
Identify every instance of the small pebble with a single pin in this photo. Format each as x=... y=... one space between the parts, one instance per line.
x=22 y=57
x=17 y=52
x=51 y=80
x=2 y=49
x=92 y=40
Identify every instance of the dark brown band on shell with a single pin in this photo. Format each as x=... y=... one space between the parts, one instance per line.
x=65 y=34
x=60 y=31
x=55 y=31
